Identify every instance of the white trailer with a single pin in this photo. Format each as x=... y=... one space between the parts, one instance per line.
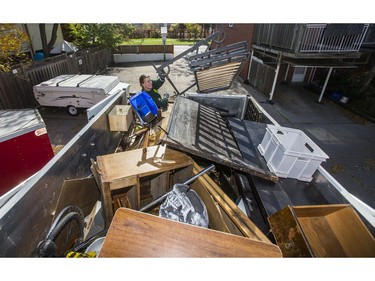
x=76 y=92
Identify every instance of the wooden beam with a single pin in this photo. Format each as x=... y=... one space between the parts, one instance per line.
x=246 y=226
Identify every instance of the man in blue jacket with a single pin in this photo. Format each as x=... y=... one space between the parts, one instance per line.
x=151 y=87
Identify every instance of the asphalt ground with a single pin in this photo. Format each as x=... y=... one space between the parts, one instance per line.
x=348 y=139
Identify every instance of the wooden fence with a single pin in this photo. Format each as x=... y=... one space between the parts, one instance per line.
x=261 y=76
x=16 y=87
x=144 y=49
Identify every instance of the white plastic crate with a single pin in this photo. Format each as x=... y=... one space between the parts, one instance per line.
x=289 y=153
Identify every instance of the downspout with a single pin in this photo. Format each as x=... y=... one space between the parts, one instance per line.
x=325 y=84
x=275 y=79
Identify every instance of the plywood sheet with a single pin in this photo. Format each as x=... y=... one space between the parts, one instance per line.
x=86 y=194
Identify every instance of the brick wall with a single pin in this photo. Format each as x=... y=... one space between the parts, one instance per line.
x=238 y=32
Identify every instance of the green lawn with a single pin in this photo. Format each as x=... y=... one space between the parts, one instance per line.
x=159 y=41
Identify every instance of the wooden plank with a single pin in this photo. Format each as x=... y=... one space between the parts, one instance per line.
x=321 y=238
x=86 y=196
x=201 y=131
x=123 y=182
x=215 y=218
x=247 y=227
x=233 y=229
x=155 y=159
x=159 y=185
x=288 y=234
x=107 y=204
x=137 y=234
x=85 y=191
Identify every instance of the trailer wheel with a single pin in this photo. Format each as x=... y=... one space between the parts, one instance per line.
x=72 y=110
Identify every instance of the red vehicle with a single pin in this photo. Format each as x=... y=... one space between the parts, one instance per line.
x=24 y=146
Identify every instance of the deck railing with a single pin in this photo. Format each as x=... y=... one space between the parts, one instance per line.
x=316 y=39
x=311 y=38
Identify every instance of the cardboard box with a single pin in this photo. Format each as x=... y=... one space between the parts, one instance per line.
x=120 y=118
x=321 y=231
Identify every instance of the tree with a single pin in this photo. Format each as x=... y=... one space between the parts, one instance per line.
x=11 y=40
x=205 y=29
x=193 y=30
x=47 y=47
x=181 y=30
x=100 y=35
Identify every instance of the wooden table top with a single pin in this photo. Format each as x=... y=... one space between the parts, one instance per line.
x=157 y=158
x=136 y=234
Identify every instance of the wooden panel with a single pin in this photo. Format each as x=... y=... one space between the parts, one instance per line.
x=155 y=159
x=321 y=238
x=159 y=185
x=136 y=234
x=317 y=210
x=288 y=234
x=85 y=191
x=107 y=205
x=215 y=218
x=261 y=76
x=201 y=131
x=233 y=229
x=181 y=175
x=348 y=228
x=325 y=230
x=121 y=183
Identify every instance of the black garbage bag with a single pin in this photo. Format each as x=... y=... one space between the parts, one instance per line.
x=184 y=205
